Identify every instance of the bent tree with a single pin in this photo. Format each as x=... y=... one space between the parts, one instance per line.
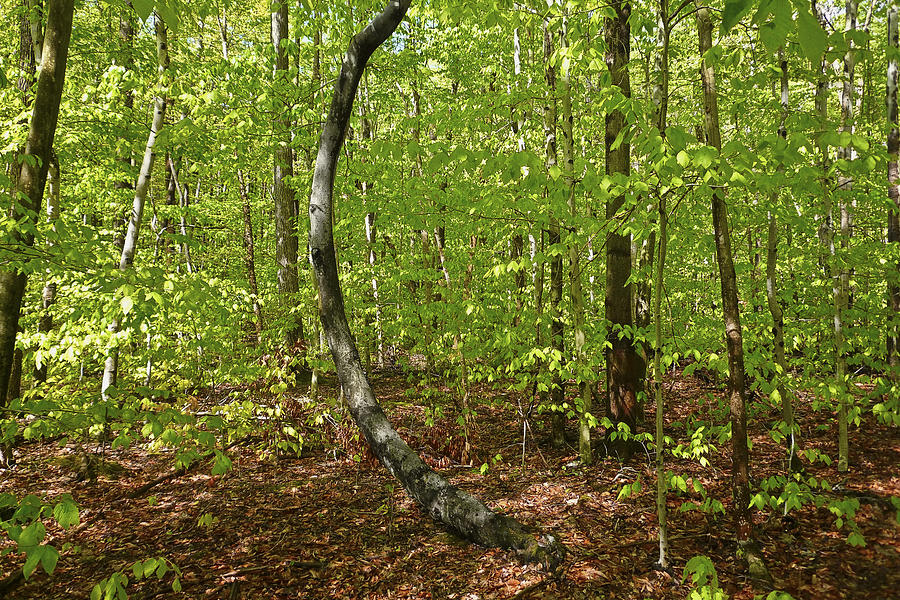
x=455 y=508
x=33 y=176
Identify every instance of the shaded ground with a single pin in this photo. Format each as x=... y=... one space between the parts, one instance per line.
x=333 y=524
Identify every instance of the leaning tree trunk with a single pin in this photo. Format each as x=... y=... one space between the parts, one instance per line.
x=457 y=509
x=129 y=247
x=33 y=175
x=740 y=453
x=893 y=148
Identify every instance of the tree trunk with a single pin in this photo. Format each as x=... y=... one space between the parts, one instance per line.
x=249 y=250
x=661 y=102
x=458 y=510
x=731 y=312
x=781 y=367
x=586 y=419
x=625 y=369
x=893 y=148
x=286 y=244
x=840 y=271
x=48 y=295
x=557 y=385
x=141 y=189
x=33 y=174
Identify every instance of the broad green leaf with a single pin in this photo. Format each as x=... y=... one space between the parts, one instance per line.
x=732 y=13
x=813 y=39
x=66 y=513
x=127 y=304
x=143 y=8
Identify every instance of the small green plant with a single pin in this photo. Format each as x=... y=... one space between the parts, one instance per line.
x=704 y=579
x=113 y=587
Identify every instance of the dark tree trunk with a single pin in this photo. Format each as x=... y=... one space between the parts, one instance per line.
x=458 y=510
x=625 y=368
x=731 y=311
x=249 y=258
x=286 y=245
x=557 y=385
x=33 y=175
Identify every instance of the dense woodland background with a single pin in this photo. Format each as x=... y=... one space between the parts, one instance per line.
x=627 y=271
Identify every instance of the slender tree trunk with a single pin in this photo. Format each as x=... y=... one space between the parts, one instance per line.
x=249 y=250
x=458 y=510
x=581 y=367
x=731 y=311
x=893 y=148
x=48 y=295
x=787 y=407
x=661 y=103
x=141 y=189
x=840 y=271
x=557 y=386
x=286 y=244
x=33 y=175
x=625 y=369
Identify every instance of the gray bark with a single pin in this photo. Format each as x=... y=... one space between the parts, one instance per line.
x=286 y=244
x=141 y=189
x=457 y=509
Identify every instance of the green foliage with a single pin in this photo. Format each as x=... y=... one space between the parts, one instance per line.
x=704 y=579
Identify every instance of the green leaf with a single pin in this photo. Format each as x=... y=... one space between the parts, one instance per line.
x=143 y=8
x=49 y=558
x=66 y=513
x=732 y=13
x=127 y=304
x=31 y=563
x=813 y=40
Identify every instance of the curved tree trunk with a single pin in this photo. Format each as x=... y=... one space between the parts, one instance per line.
x=129 y=247
x=33 y=176
x=457 y=509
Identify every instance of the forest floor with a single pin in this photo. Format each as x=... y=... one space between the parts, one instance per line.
x=327 y=525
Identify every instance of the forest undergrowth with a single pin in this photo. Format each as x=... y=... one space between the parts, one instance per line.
x=332 y=523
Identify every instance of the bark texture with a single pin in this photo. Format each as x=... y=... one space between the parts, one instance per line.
x=286 y=244
x=33 y=175
x=740 y=482
x=457 y=509
x=625 y=368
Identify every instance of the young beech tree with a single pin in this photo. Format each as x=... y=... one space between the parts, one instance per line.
x=740 y=453
x=33 y=175
x=141 y=190
x=450 y=505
